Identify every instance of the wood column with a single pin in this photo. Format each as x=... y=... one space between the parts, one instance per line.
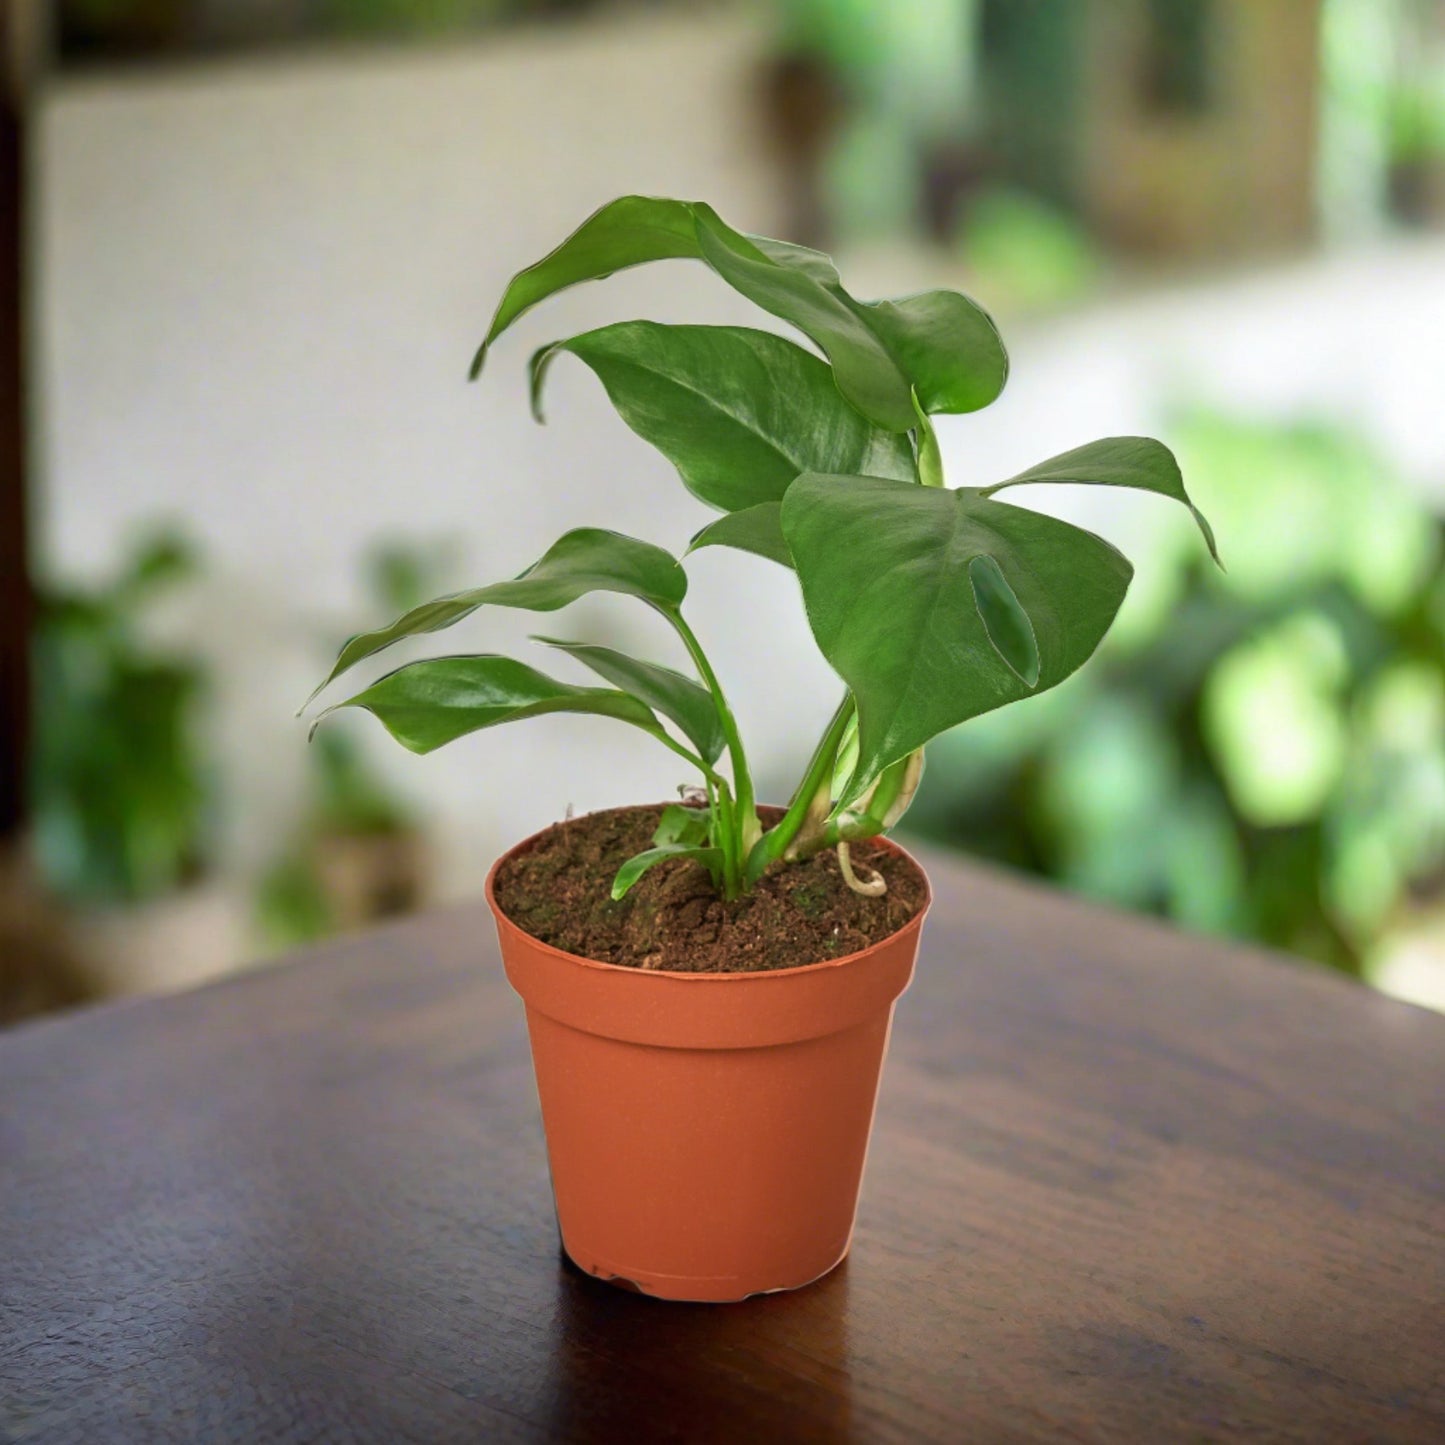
x=18 y=30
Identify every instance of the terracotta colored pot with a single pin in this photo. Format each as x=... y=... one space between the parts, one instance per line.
x=707 y=1132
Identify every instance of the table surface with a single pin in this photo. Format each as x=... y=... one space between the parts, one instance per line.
x=1125 y=1185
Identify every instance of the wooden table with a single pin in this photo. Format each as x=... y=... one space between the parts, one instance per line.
x=1126 y=1186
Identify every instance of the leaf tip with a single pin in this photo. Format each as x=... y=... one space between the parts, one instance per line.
x=1209 y=540
x=315 y=693
x=537 y=365
x=478 y=361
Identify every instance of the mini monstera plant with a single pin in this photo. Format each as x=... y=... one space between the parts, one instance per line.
x=707 y=1143
x=933 y=604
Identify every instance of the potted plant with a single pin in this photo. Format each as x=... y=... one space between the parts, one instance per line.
x=709 y=985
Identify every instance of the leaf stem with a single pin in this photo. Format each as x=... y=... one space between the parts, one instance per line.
x=774 y=843
x=710 y=775
x=930 y=458
x=740 y=819
x=727 y=841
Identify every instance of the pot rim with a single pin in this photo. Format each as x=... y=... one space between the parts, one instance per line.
x=730 y=976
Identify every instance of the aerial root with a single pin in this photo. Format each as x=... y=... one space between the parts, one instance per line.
x=873 y=887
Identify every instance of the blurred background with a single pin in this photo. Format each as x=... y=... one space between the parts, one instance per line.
x=250 y=245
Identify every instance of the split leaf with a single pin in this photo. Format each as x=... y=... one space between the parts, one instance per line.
x=891 y=597
x=1004 y=618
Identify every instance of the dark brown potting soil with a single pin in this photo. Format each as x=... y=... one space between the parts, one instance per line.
x=559 y=890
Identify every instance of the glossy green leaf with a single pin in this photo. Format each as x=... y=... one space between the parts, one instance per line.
x=425 y=705
x=680 y=824
x=946 y=345
x=1004 y=618
x=629 y=231
x=885 y=572
x=755 y=529
x=585 y=560
x=639 y=863
x=1139 y=462
x=738 y=412
x=864 y=369
x=940 y=343
x=673 y=694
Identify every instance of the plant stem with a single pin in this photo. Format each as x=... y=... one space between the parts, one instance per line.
x=710 y=775
x=930 y=458
x=775 y=841
x=740 y=821
x=726 y=835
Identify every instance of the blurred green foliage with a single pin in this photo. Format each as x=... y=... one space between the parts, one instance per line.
x=1260 y=753
x=346 y=799
x=1025 y=253
x=1417 y=118
x=412 y=17
x=118 y=785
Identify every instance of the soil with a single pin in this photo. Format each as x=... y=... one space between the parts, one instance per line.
x=558 y=890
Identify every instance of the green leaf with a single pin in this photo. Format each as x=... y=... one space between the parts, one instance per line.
x=946 y=345
x=674 y=695
x=1004 y=619
x=425 y=705
x=585 y=560
x=738 y=412
x=885 y=572
x=639 y=863
x=629 y=231
x=679 y=824
x=866 y=373
x=755 y=529
x=1139 y=462
x=940 y=343
x=930 y=458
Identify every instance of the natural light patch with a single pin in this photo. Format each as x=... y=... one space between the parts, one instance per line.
x=1406 y=708
x=1387 y=822
x=1273 y=722
x=1412 y=967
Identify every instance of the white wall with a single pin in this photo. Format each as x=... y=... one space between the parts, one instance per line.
x=260 y=289
x=260 y=286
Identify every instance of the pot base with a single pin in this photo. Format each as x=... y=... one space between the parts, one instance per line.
x=690 y=1289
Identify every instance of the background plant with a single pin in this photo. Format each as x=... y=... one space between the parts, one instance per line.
x=1256 y=754
x=347 y=799
x=118 y=788
x=934 y=605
